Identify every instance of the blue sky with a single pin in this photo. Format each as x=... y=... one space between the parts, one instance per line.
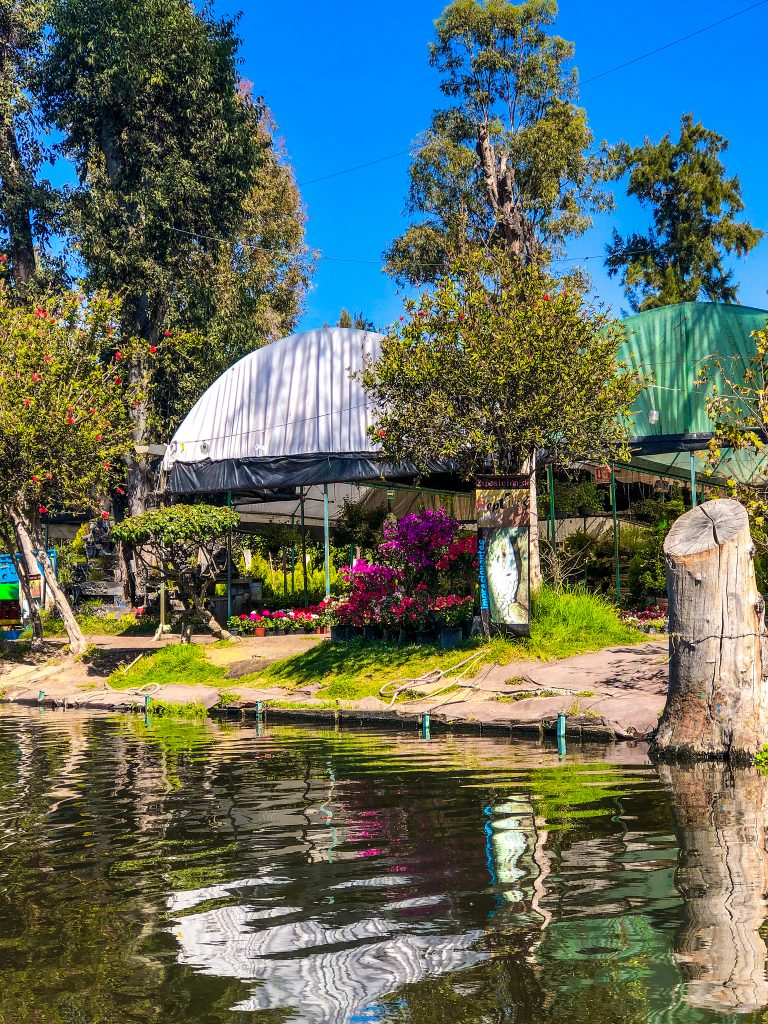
x=349 y=82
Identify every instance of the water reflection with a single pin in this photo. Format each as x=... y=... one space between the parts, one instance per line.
x=199 y=873
x=722 y=875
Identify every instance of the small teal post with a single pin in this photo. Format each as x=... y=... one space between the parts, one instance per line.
x=615 y=535
x=259 y=708
x=425 y=723
x=694 y=501
x=561 y=733
x=326 y=542
x=147 y=702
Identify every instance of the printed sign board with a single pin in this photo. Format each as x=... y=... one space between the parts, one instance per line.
x=502 y=506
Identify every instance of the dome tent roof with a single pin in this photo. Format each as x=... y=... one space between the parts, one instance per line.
x=291 y=413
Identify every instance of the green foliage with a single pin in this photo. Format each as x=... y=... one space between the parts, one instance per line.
x=356 y=320
x=227 y=698
x=496 y=362
x=101 y=623
x=67 y=390
x=574 y=499
x=509 y=160
x=177 y=525
x=657 y=512
x=177 y=663
x=275 y=576
x=694 y=208
x=358 y=525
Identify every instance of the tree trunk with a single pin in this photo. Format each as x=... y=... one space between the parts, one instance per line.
x=24 y=572
x=722 y=875
x=218 y=631
x=717 y=704
x=31 y=541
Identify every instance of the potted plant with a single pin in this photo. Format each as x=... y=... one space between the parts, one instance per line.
x=278 y=622
x=450 y=613
x=257 y=622
x=235 y=624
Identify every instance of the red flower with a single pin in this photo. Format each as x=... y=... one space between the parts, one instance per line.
x=42 y=510
x=382 y=433
x=35 y=377
x=136 y=405
x=3 y=258
x=118 y=355
x=39 y=311
x=462 y=316
x=118 y=380
x=70 y=410
x=421 y=313
x=546 y=297
x=70 y=420
x=105 y=515
x=166 y=334
x=35 y=479
x=27 y=401
x=49 y=476
x=106 y=465
x=98 y=437
x=153 y=349
x=120 y=490
x=53 y=319
x=110 y=330
x=47 y=359
x=93 y=412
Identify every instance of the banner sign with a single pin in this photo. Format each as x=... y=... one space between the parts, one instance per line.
x=502 y=505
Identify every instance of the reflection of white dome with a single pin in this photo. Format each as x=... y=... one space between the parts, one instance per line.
x=294 y=404
x=341 y=970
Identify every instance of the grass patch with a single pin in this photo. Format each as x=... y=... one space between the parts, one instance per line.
x=101 y=624
x=563 y=623
x=179 y=663
x=227 y=698
x=169 y=709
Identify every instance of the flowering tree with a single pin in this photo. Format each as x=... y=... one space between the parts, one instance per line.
x=496 y=363
x=66 y=397
x=183 y=544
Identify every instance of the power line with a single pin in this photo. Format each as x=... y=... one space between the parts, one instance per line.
x=358 y=167
x=587 y=81
x=675 y=42
x=372 y=262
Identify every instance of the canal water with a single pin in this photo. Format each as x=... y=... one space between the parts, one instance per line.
x=192 y=872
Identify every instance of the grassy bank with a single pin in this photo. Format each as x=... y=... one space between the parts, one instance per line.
x=563 y=624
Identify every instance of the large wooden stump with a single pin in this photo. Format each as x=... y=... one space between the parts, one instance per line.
x=717 y=704
x=722 y=875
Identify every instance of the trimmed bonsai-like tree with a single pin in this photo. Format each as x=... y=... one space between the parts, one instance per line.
x=183 y=544
x=66 y=398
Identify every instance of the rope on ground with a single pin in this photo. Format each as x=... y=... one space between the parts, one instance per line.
x=435 y=675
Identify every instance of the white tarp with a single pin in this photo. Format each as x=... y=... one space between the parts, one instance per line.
x=297 y=396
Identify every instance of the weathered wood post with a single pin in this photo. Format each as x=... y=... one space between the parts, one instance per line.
x=717 y=704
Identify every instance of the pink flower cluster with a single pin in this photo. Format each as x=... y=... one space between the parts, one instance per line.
x=419 y=539
x=461 y=549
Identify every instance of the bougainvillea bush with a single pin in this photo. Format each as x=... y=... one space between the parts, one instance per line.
x=425 y=563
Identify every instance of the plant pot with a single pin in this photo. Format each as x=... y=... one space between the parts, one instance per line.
x=339 y=634
x=371 y=633
x=404 y=637
x=392 y=635
x=319 y=630
x=279 y=632
x=424 y=638
x=259 y=631
x=450 y=637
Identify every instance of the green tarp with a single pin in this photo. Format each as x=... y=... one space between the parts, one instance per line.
x=671 y=345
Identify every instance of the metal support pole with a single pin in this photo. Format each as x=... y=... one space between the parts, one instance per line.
x=326 y=542
x=551 y=486
x=615 y=534
x=162 y=590
x=293 y=553
x=304 y=549
x=693 y=481
x=229 y=563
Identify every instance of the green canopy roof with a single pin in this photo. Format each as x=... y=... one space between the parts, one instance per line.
x=671 y=344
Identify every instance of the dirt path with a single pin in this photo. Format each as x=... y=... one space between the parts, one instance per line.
x=618 y=692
